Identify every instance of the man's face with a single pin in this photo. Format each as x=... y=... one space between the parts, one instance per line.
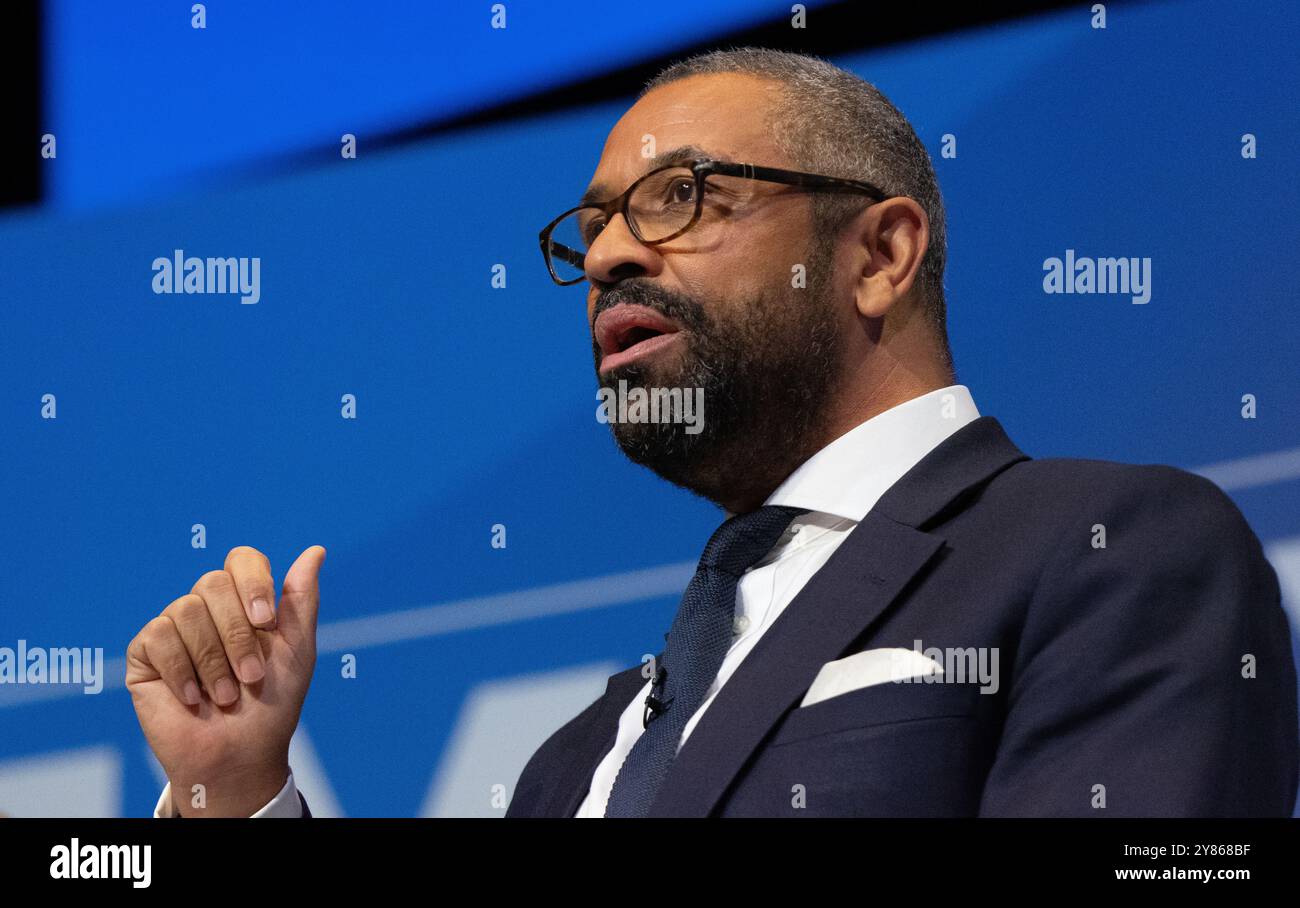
x=717 y=308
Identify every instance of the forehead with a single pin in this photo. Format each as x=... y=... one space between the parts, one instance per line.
x=722 y=114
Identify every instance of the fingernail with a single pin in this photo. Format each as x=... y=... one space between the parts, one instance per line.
x=250 y=669
x=261 y=611
x=192 y=695
x=225 y=692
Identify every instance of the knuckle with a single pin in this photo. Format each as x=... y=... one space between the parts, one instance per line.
x=157 y=630
x=176 y=666
x=211 y=662
x=215 y=582
x=148 y=637
x=184 y=610
x=239 y=638
x=242 y=552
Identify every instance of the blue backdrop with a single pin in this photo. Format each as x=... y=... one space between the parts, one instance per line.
x=476 y=405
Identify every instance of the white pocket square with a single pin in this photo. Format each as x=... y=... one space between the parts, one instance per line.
x=873 y=666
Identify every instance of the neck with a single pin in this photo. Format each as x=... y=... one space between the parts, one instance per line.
x=860 y=402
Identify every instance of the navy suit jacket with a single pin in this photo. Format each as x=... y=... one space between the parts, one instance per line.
x=1151 y=677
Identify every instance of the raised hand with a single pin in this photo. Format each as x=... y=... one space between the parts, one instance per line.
x=218 y=681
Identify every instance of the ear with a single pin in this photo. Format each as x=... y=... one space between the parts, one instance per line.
x=890 y=241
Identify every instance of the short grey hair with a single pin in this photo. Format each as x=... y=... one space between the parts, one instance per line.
x=833 y=122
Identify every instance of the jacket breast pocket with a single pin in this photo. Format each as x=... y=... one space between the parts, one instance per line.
x=878 y=704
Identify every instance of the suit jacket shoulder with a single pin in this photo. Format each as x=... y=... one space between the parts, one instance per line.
x=1154 y=636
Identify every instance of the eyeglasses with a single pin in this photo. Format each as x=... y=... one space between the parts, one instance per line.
x=656 y=211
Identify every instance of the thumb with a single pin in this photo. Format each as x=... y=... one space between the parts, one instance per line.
x=300 y=597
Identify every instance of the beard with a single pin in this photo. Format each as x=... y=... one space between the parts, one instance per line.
x=767 y=366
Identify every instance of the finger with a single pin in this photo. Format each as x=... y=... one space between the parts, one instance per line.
x=300 y=596
x=252 y=574
x=238 y=639
x=157 y=652
x=203 y=646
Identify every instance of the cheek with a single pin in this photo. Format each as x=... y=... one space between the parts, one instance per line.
x=778 y=252
x=774 y=271
x=728 y=281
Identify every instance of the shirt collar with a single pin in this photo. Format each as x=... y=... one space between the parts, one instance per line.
x=848 y=476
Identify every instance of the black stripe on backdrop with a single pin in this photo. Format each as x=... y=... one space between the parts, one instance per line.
x=838 y=28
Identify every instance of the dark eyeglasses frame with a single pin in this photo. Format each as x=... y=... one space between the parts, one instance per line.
x=702 y=168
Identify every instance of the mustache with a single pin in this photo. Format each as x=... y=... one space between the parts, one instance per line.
x=677 y=306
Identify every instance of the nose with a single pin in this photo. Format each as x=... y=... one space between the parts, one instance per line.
x=616 y=254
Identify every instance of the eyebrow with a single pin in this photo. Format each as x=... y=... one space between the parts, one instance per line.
x=682 y=154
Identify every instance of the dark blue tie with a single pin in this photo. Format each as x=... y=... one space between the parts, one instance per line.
x=697 y=643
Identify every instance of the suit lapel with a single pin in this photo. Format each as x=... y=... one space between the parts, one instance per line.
x=592 y=743
x=869 y=569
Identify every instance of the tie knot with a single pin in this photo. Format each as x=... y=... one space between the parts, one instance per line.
x=745 y=538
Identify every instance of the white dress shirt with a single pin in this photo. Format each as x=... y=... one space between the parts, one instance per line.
x=837 y=486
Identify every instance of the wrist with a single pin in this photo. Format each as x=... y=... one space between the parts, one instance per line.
x=228 y=794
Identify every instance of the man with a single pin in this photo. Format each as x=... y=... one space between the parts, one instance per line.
x=1069 y=638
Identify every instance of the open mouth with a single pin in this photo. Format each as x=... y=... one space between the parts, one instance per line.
x=628 y=332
